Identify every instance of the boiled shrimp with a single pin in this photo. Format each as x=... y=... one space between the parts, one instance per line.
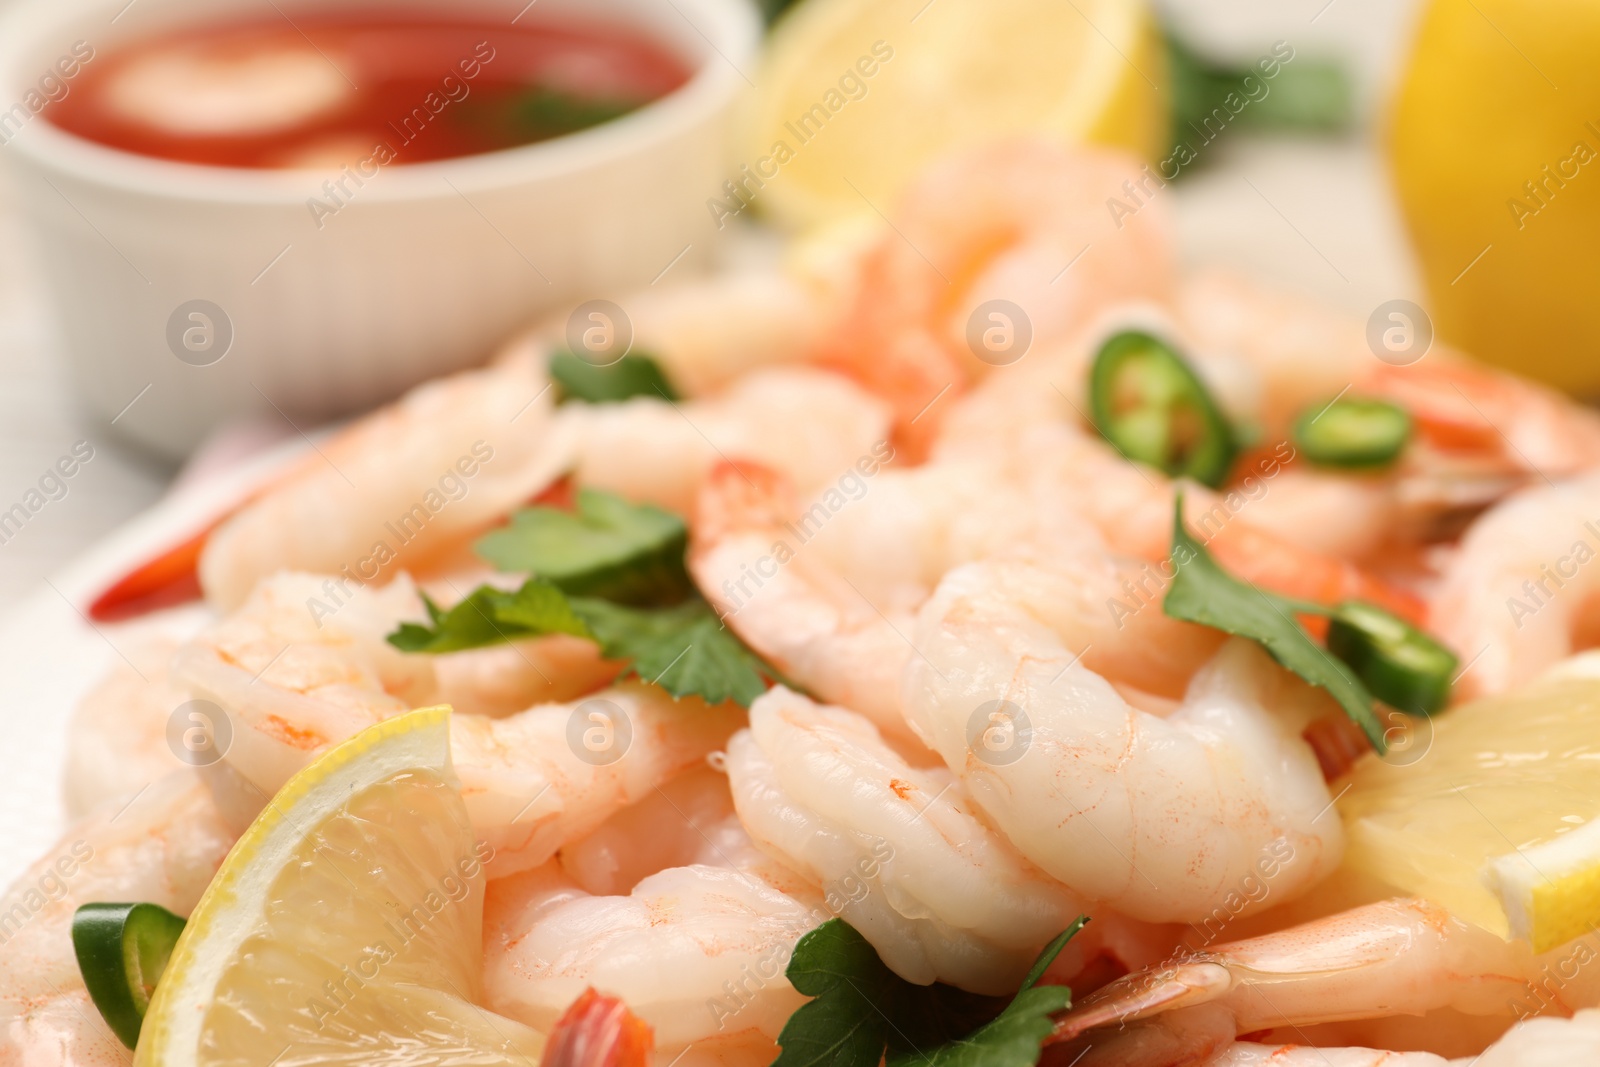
x=1534 y=1043
x=1519 y=594
x=399 y=486
x=1133 y=507
x=685 y=822
x=117 y=739
x=898 y=850
x=292 y=685
x=811 y=424
x=696 y=952
x=1394 y=957
x=815 y=591
x=408 y=487
x=1480 y=432
x=1011 y=222
x=161 y=844
x=706 y=332
x=1165 y=817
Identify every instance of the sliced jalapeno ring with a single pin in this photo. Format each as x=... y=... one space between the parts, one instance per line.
x=1401 y=665
x=122 y=950
x=1149 y=403
x=1353 y=433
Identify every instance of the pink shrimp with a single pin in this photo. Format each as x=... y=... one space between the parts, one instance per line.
x=1007 y=222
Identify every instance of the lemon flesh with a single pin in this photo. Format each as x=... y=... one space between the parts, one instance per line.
x=1495 y=148
x=345 y=926
x=1495 y=819
x=854 y=98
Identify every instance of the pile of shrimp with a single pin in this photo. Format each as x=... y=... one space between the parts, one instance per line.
x=916 y=537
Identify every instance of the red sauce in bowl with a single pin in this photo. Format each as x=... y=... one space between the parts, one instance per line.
x=329 y=89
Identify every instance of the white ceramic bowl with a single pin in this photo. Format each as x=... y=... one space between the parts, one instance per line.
x=422 y=271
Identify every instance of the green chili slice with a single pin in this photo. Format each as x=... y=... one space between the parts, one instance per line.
x=122 y=950
x=1353 y=433
x=1149 y=403
x=1401 y=665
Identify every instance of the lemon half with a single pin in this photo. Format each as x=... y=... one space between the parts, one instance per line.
x=856 y=98
x=1495 y=811
x=345 y=926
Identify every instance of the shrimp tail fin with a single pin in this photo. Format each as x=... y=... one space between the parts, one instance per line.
x=1137 y=996
x=599 y=1031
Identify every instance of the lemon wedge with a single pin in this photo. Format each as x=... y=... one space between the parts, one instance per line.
x=345 y=926
x=1494 y=810
x=855 y=98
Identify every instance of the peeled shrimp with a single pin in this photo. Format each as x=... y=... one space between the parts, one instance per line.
x=117 y=741
x=1133 y=507
x=407 y=486
x=829 y=593
x=706 y=332
x=1164 y=817
x=812 y=424
x=1479 y=432
x=1395 y=957
x=696 y=952
x=1519 y=594
x=399 y=486
x=898 y=851
x=1534 y=1043
x=1010 y=222
x=291 y=686
x=162 y=844
x=687 y=821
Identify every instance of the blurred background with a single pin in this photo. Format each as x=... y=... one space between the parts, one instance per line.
x=1308 y=199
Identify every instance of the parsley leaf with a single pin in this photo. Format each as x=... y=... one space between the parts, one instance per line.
x=489 y=616
x=611 y=572
x=607 y=548
x=684 y=649
x=633 y=375
x=862 y=1011
x=1202 y=592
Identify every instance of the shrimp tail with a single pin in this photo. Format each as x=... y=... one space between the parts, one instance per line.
x=599 y=1031
x=170 y=579
x=1137 y=996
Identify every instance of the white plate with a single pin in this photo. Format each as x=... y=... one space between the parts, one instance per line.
x=51 y=653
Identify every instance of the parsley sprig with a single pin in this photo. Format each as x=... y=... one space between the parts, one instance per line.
x=635 y=374
x=1375 y=650
x=863 y=1013
x=610 y=572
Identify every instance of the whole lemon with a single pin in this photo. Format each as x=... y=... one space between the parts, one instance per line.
x=1495 y=147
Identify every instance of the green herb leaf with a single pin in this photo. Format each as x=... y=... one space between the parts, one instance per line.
x=1202 y=592
x=548 y=112
x=1305 y=95
x=1013 y=1038
x=843 y=1026
x=635 y=374
x=489 y=616
x=608 y=548
x=685 y=649
x=862 y=1011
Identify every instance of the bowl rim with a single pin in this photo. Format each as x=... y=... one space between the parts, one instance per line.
x=731 y=28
